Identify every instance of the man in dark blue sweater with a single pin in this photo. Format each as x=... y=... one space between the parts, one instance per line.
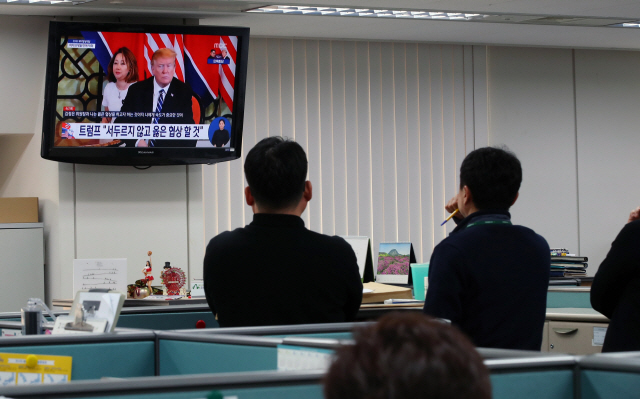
x=489 y=277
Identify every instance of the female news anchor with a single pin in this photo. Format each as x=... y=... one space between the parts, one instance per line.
x=123 y=72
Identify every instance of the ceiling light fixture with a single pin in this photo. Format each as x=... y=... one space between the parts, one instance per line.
x=448 y=16
x=365 y=12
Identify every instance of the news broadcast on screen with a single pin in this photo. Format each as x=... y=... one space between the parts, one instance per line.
x=120 y=89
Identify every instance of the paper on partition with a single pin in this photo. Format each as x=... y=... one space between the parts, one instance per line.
x=100 y=273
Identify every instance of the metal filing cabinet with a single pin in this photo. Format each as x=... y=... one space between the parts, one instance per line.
x=21 y=264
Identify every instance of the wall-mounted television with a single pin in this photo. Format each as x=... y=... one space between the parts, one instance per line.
x=126 y=94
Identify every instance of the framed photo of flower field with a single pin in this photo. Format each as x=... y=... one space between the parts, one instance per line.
x=393 y=263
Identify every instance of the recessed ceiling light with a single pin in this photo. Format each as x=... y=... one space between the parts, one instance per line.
x=530 y=19
x=364 y=12
x=43 y=2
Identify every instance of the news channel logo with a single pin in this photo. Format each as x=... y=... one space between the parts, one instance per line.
x=67 y=132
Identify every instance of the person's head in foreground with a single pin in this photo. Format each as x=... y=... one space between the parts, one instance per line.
x=489 y=179
x=276 y=172
x=407 y=356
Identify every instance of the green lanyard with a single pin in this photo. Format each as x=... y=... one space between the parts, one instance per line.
x=496 y=222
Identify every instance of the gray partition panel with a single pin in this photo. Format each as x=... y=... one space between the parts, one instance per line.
x=150 y=387
x=35 y=340
x=289 y=330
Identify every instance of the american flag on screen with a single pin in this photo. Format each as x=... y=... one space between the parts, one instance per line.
x=228 y=71
x=209 y=81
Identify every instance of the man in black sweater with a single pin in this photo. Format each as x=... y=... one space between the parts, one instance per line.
x=489 y=277
x=616 y=288
x=275 y=271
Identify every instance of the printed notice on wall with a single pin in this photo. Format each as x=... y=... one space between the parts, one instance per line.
x=100 y=273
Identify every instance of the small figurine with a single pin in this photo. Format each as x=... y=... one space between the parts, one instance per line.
x=173 y=278
x=147 y=272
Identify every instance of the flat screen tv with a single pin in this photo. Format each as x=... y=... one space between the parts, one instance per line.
x=129 y=94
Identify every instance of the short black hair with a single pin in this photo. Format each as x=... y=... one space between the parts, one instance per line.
x=276 y=171
x=405 y=356
x=493 y=176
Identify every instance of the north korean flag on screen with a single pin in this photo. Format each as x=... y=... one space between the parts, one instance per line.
x=209 y=81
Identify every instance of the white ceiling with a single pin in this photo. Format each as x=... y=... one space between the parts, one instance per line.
x=351 y=28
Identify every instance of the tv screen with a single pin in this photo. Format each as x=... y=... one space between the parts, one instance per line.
x=144 y=94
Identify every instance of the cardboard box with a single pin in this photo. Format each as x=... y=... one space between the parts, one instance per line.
x=19 y=210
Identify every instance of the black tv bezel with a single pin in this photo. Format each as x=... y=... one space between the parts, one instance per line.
x=141 y=156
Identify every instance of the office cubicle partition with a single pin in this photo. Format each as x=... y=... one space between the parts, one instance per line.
x=180 y=354
x=326 y=330
x=543 y=376
x=255 y=385
x=610 y=376
x=95 y=356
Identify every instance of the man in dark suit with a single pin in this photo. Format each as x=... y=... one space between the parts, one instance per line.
x=161 y=93
x=275 y=271
x=615 y=291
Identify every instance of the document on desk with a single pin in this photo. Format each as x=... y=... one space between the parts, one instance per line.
x=100 y=273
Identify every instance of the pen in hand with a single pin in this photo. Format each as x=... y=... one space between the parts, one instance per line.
x=450 y=216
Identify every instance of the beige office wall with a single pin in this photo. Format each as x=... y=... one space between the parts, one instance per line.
x=385 y=127
x=531 y=110
x=123 y=212
x=23 y=173
x=607 y=87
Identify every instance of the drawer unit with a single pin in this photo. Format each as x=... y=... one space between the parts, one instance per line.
x=579 y=338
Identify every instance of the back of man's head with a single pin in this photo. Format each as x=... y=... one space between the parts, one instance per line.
x=493 y=176
x=276 y=171
x=405 y=356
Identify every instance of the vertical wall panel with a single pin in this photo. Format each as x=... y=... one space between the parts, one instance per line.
x=338 y=149
x=468 y=90
x=326 y=138
x=481 y=97
x=286 y=89
x=274 y=108
x=300 y=128
x=437 y=137
x=351 y=136
x=606 y=89
x=384 y=126
x=452 y=68
x=389 y=166
x=414 y=201
x=250 y=124
x=542 y=133
x=426 y=148
x=259 y=48
x=460 y=119
x=365 y=205
x=315 y=208
x=377 y=177
x=401 y=155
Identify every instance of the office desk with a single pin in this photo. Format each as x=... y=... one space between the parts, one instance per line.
x=66 y=303
x=573 y=330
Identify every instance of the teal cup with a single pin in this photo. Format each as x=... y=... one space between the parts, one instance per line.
x=420 y=276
